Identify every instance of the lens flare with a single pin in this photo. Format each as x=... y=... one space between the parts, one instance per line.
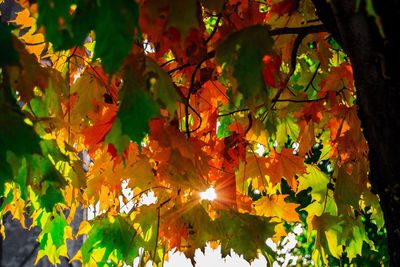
x=209 y=194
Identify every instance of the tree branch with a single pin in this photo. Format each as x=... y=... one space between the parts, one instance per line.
x=301 y=101
x=233 y=112
x=298 y=30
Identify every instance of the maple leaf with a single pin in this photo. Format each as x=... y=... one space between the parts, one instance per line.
x=276 y=206
x=328 y=229
x=15 y=205
x=350 y=183
x=238 y=51
x=271 y=71
x=26 y=157
x=286 y=127
x=136 y=109
x=254 y=168
x=28 y=75
x=110 y=235
x=306 y=137
x=334 y=233
x=25 y=140
x=89 y=90
x=285 y=164
x=311 y=111
x=161 y=86
x=11 y=55
x=282 y=7
x=239 y=235
x=102 y=123
x=28 y=31
x=243 y=242
x=339 y=77
x=177 y=28
x=175 y=232
x=118 y=21
x=52 y=240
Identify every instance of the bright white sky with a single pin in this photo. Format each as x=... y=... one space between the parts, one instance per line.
x=210 y=258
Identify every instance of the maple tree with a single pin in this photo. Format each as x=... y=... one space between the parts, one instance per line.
x=257 y=100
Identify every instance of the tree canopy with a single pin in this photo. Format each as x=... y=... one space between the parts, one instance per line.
x=239 y=117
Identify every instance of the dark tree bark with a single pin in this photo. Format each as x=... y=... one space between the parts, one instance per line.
x=376 y=66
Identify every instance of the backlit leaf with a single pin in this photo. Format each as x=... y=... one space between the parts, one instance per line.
x=242 y=53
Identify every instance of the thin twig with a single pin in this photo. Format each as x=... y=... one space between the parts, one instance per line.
x=233 y=112
x=313 y=77
x=301 y=101
x=167 y=62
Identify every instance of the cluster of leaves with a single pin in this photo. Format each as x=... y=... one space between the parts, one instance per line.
x=176 y=97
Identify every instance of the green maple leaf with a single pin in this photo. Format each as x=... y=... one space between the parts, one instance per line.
x=17 y=137
x=136 y=109
x=201 y=227
x=8 y=55
x=61 y=29
x=120 y=236
x=349 y=187
x=51 y=197
x=110 y=234
x=244 y=233
x=315 y=179
x=322 y=197
x=336 y=233
x=116 y=24
x=183 y=16
x=161 y=86
x=243 y=51
x=116 y=137
x=52 y=239
x=286 y=127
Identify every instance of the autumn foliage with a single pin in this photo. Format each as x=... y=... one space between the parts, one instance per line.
x=251 y=98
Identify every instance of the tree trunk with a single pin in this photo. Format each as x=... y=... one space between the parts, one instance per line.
x=375 y=58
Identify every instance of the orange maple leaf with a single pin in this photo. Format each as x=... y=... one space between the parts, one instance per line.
x=276 y=206
x=103 y=121
x=285 y=164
